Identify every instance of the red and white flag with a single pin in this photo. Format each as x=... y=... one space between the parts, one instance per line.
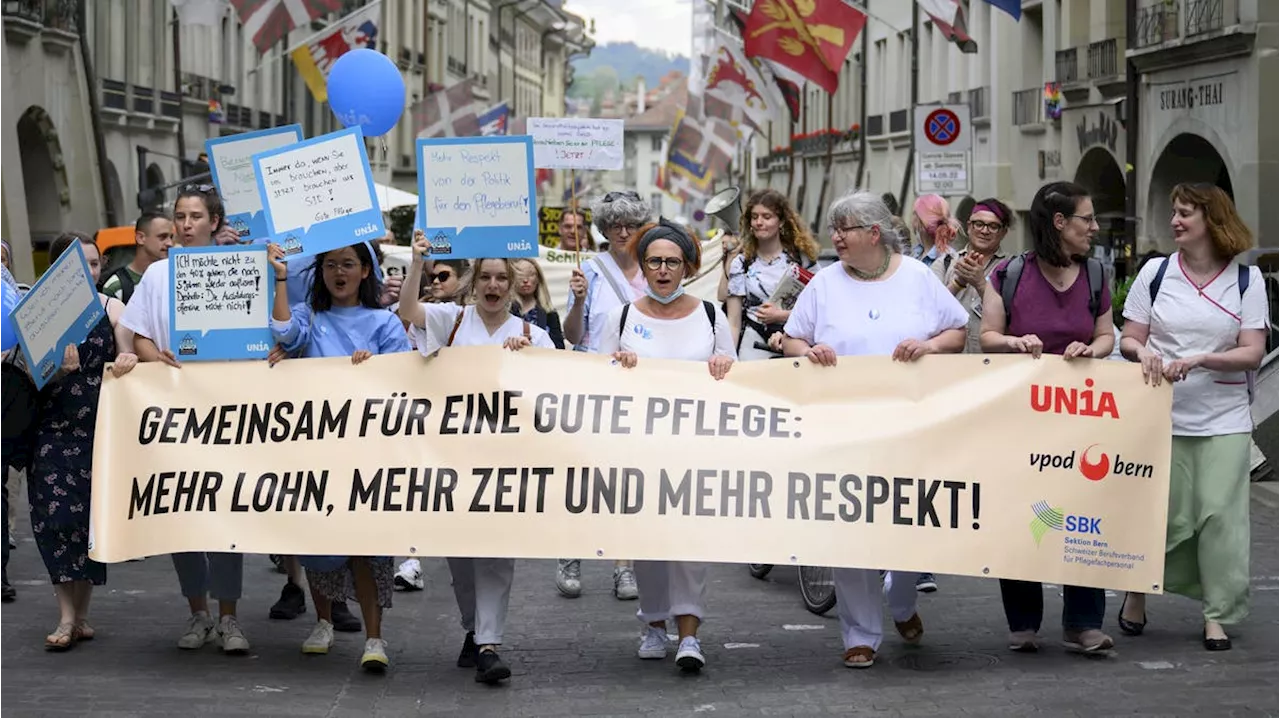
x=270 y=21
x=448 y=112
x=738 y=91
x=708 y=141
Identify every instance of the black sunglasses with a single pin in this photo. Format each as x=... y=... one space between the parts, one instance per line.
x=441 y=277
x=629 y=194
x=201 y=188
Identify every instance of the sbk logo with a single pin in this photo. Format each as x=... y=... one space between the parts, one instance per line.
x=1093 y=469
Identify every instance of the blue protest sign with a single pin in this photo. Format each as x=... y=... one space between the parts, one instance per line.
x=318 y=194
x=221 y=303
x=61 y=309
x=231 y=164
x=475 y=197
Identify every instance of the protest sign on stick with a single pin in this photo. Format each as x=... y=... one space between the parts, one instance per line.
x=60 y=310
x=231 y=164
x=221 y=304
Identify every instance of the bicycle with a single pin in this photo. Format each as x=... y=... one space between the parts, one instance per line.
x=817 y=585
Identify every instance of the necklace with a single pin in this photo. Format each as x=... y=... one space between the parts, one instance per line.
x=884 y=267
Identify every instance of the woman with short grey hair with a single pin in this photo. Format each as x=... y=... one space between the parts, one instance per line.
x=874 y=302
x=607 y=281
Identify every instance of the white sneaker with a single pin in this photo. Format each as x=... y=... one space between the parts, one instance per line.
x=231 y=637
x=199 y=631
x=653 y=644
x=689 y=657
x=569 y=577
x=409 y=576
x=375 y=658
x=320 y=640
x=624 y=584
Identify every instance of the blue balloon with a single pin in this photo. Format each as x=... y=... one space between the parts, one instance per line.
x=366 y=90
x=8 y=334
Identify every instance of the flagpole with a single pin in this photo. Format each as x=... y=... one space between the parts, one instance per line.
x=915 y=99
x=573 y=207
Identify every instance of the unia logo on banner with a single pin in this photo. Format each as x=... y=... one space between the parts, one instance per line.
x=1074 y=401
x=1049 y=518
x=1093 y=470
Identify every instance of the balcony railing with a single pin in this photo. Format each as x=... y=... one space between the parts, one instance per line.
x=898 y=121
x=1104 y=59
x=875 y=125
x=955 y=98
x=1204 y=16
x=978 y=105
x=1028 y=107
x=1067 y=63
x=456 y=66
x=114 y=95
x=1155 y=24
x=56 y=14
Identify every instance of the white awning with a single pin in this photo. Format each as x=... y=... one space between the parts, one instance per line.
x=389 y=197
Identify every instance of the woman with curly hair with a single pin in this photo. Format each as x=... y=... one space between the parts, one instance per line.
x=774 y=240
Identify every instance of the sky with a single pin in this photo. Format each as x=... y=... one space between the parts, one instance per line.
x=657 y=24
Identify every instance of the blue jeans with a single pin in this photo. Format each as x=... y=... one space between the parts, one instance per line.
x=1082 y=608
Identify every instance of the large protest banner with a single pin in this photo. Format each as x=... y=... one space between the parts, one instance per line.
x=1001 y=466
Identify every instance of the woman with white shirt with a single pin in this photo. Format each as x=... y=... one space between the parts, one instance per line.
x=669 y=324
x=606 y=281
x=873 y=302
x=481 y=586
x=1199 y=318
x=774 y=241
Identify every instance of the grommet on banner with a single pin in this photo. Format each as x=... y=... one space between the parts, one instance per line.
x=233 y=547
x=793 y=559
x=1155 y=587
x=413 y=549
x=985 y=570
x=599 y=552
x=795 y=364
x=987 y=360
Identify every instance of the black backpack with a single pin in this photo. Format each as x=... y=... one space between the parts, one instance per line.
x=708 y=306
x=20 y=398
x=1242 y=280
x=1013 y=272
x=126 y=283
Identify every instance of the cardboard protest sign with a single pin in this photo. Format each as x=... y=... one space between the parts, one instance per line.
x=60 y=310
x=318 y=195
x=221 y=304
x=549 y=224
x=583 y=143
x=231 y=164
x=479 y=451
x=476 y=197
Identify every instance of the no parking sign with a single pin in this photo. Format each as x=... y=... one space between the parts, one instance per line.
x=942 y=128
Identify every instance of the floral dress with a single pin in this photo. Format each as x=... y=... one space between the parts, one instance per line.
x=62 y=463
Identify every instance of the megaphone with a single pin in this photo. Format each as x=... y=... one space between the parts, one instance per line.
x=727 y=207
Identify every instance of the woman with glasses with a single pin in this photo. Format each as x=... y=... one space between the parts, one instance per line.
x=774 y=242
x=667 y=323
x=607 y=281
x=1199 y=319
x=966 y=278
x=197 y=215
x=1052 y=300
x=873 y=302
x=481 y=586
x=342 y=317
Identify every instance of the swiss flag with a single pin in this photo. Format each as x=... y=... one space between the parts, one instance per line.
x=813 y=38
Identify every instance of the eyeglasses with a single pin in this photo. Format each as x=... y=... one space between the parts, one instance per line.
x=841 y=231
x=1089 y=219
x=628 y=194
x=441 y=277
x=347 y=267
x=656 y=263
x=201 y=188
x=979 y=226
x=629 y=228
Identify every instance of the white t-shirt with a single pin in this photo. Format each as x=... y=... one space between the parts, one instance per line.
x=147 y=313
x=872 y=318
x=1187 y=322
x=688 y=338
x=601 y=297
x=440 y=319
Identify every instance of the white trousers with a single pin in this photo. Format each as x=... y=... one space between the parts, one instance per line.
x=858 y=601
x=669 y=589
x=482 y=588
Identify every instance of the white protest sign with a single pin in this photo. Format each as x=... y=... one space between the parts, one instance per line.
x=59 y=310
x=231 y=164
x=221 y=302
x=582 y=143
x=943 y=173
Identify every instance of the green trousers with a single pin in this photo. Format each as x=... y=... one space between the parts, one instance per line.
x=1207 y=543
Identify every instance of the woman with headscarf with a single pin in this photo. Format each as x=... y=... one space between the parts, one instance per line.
x=667 y=323
x=873 y=302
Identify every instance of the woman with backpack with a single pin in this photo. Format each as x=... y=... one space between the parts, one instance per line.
x=481 y=586
x=1052 y=300
x=342 y=317
x=667 y=323
x=1206 y=334
x=61 y=472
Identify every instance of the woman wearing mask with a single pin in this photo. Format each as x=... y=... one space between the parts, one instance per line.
x=1199 y=319
x=197 y=214
x=1061 y=305
x=609 y=280
x=60 y=475
x=533 y=302
x=481 y=586
x=932 y=222
x=775 y=241
x=966 y=279
x=343 y=317
x=669 y=324
x=873 y=302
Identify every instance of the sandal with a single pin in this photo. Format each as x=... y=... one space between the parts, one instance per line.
x=865 y=654
x=63 y=638
x=83 y=631
x=911 y=629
